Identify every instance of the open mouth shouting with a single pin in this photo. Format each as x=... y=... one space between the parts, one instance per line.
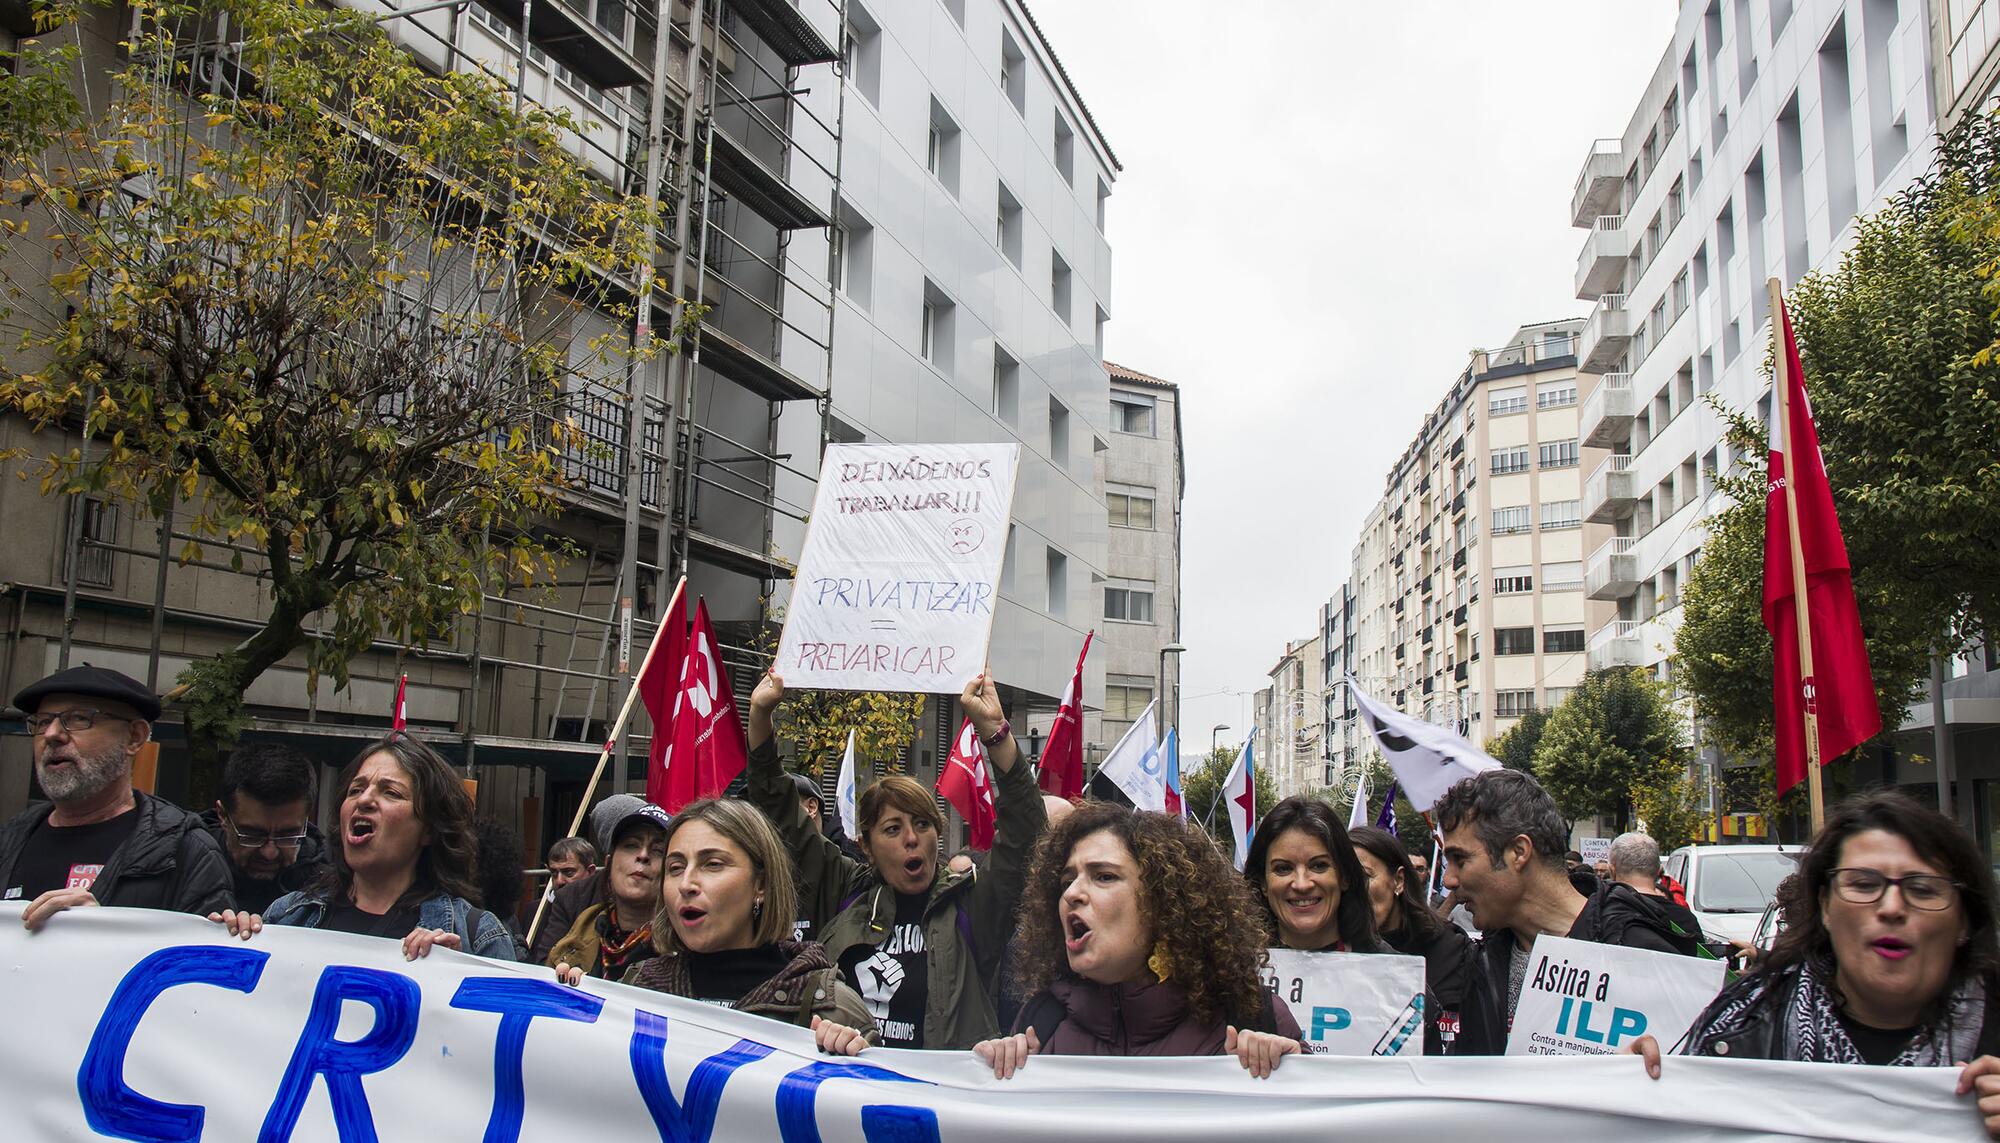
x=360 y=829
x=1890 y=948
x=691 y=916
x=1076 y=933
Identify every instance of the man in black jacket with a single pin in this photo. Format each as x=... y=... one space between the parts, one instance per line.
x=1504 y=842
x=1635 y=912
x=262 y=819
x=99 y=841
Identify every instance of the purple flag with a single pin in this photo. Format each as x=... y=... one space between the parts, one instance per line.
x=1387 y=818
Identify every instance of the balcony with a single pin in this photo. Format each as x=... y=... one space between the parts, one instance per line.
x=1597 y=186
x=1458 y=559
x=1606 y=417
x=1607 y=494
x=1613 y=570
x=597 y=39
x=1600 y=266
x=1616 y=644
x=1605 y=335
x=1458 y=619
x=1458 y=673
x=780 y=24
x=755 y=184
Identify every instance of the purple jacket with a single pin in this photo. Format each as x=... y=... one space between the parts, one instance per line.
x=1139 y=1019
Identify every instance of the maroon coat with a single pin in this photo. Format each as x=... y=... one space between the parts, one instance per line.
x=1137 y=1019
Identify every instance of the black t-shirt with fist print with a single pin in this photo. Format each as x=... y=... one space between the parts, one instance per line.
x=893 y=978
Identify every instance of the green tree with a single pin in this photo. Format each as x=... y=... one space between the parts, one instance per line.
x=817 y=722
x=1898 y=345
x=1604 y=738
x=318 y=304
x=1516 y=748
x=1669 y=801
x=1202 y=789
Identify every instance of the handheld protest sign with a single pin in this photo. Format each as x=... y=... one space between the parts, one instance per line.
x=1348 y=1004
x=1594 y=850
x=901 y=570
x=1582 y=999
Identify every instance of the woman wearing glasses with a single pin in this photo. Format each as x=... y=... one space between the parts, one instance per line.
x=1889 y=956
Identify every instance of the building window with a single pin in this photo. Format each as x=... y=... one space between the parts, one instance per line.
x=1513 y=581
x=1013 y=71
x=1131 y=413
x=1508 y=460
x=936 y=339
x=1555 y=394
x=1103 y=201
x=1059 y=292
x=99 y=527
x=1512 y=704
x=1130 y=506
x=854 y=256
x=1566 y=576
x=1058 y=433
x=1562 y=514
x=1007 y=226
x=957 y=10
x=1558 y=454
x=1057 y=567
x=1129 y=604
x=1507 y=521
x=1562 y=640
x=1006 y=387
x=941 y=154
x=1126 y=697
x=1513 y=640
x=1065 y=140
x=1097 y=331
x=1500 y=402
x=863 y=56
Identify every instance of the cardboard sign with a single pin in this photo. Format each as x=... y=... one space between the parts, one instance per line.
x=1582 y=999
x=1594 y=850
x=901 y=569
x=1350 y=1004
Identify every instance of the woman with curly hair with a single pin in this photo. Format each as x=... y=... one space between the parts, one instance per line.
x=1137 y=939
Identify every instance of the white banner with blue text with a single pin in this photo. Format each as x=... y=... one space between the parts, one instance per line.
x=1582 y=998
x=132 y=1024
x=1350 y=1004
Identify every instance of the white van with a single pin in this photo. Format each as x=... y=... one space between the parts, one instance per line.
x=1729 y=886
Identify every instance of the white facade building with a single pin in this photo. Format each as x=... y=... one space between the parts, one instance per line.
x=1766 y=129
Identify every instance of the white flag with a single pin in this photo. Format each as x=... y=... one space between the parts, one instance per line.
x=1138 y=766
x=1358 y=816
x=843 y=791
x=1239 y=789
x=1427 y=758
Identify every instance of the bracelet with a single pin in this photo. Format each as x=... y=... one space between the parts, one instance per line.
x=1006 y=728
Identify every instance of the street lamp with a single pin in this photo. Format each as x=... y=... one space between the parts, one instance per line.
x=1160 y=711
x=1212 y=734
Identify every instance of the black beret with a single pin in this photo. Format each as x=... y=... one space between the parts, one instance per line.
x=97 y=682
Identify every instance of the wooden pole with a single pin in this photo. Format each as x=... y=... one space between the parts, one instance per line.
x=1782 y=383
x=617 y=729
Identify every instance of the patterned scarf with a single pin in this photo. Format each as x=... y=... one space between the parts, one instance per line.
x=1814 y=1032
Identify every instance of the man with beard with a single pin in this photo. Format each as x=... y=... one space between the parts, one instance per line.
x=263 y=821
x=98 y=841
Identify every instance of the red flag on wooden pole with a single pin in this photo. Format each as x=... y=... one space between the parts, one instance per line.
x=708 y=748
x=1062 y=758
x=967 y=784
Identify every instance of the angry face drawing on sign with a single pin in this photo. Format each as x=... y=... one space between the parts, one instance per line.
x=965 y=535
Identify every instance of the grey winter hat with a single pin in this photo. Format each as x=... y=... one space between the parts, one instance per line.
x=607 y=815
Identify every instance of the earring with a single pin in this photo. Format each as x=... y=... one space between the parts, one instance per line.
x=1161 y=963
x=756 y=912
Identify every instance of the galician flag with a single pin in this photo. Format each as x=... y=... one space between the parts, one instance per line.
x=1175 y=804
x=1062 y=758
x=1839 y=687
x=967 y=784
x=1138 y=766
x=1239 y=790
x=843 y=791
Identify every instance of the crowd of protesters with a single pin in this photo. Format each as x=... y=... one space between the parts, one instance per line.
x=1090 y=929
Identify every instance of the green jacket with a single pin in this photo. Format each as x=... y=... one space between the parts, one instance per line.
x=959 y=1010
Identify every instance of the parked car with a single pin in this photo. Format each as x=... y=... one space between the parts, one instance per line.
x=1729 y=887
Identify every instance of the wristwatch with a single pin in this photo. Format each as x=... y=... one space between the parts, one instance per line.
x=1006 y=728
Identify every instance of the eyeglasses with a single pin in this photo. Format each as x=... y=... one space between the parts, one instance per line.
x=1925 y=891
x=73 y=721
x=258 y=839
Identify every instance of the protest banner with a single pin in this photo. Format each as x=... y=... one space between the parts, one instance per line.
x=134 y=1024
x=1348 y=1004
x=901 y=569
x=1581 y=998
x=1594 y=850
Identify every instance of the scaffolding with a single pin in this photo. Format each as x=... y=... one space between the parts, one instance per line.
x=705 y=105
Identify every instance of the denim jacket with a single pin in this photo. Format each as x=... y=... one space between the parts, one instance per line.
x=479 y=932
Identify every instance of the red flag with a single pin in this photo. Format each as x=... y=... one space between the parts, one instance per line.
x=707 y=749
x=1062 y=758
x=1840 y=688
x=399 y=717
x=659 y=679
x=968 y=786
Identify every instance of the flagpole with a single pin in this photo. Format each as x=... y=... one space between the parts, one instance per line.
x=1781 y=368
x=617 y=730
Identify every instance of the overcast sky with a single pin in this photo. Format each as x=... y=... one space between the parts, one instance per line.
x=1325 y=205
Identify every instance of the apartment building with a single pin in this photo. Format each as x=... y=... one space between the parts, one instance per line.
x=1344 y=742
x=972 y=291
x=1467 y=580
x=1765 y=130
x=1965 y=57
x=1143 y=481
x=1293 y=754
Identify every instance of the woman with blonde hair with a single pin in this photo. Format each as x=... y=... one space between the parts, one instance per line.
x=920 y=944
x=723 y=929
